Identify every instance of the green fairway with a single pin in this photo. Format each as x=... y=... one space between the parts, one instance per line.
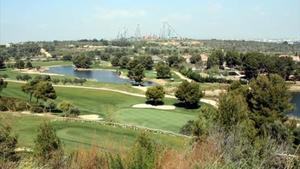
x=116 y=107
x=77 y=134
x=158 y=119
x=51 y=63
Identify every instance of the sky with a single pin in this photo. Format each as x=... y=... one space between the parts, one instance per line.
x=45 y=20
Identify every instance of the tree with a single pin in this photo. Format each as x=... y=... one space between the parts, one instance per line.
x=189 y=93
x=47 y=144
x=26 y=77
x=29 y=65
x=251 y=65
x=29 y=88
x=68 y=108
x=2 y=63
x=137 y=74
x=147 y=62
x=115 y=61
x=284 y=66
x=55 y=81
x=216 y=58
x=174 y=61
x=8 y=144
x=163 y=71
x=20 y=64
x=3 y=84
x=82 y=62
x=155 y=95
x=65 y=106
x=232 y=59
x=195 y=59
x=268 y=99
x=67 y=58
x=44 y=90
x=123 y=62
x=232 y=110
x=143 y=154
x=80 y=81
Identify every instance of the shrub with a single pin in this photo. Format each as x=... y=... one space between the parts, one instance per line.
x=47 y=144
x=8 y=143
x=74 y=112
x=189 y=94
x=155 y=95
x=36 y=109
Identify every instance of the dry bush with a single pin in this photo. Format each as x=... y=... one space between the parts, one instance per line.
x=201 y=154
x=88 y=159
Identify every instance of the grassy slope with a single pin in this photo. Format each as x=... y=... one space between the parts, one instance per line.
x=116 y=106
x=76 y=135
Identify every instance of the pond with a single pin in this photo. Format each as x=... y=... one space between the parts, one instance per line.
x=98 y=75
x=296 y=102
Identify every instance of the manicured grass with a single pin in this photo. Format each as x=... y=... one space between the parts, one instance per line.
x=51 y=63
x=75 y=134
x=116 y=106
x=162 y=119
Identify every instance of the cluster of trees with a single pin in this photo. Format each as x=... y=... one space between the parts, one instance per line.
x=40 y=88
x=252 y=123
x=187 y=93
x=64 y=81
x=252 y=46
x=254 y=63
x=124 y=61
x=198 y=78
x=175 y=61
x=163 y=71
x=82 y=61
x=20 y=64
x=17 y=51
x=24 y=77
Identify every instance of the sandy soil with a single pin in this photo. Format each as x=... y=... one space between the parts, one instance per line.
x=142 y=88
x=213 y=93
x=90 y=117
x=34 y=71
x=182 y=76
x=295 y=87
x=149 y=106
x=211 y=102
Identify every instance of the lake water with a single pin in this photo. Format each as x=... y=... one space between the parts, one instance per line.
x=296 y=102
x=98 y=75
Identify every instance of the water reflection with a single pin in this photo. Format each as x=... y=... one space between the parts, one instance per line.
x=98 y=75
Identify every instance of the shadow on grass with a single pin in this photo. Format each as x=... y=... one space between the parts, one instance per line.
x=157 y=103
x=187 y=106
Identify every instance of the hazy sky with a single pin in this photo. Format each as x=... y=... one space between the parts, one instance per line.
x=23 y=20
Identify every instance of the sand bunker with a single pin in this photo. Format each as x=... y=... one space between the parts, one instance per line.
x=91 y=117
x=149 y=106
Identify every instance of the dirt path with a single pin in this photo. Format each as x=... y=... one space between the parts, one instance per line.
x=207 y=101
x=181 y=76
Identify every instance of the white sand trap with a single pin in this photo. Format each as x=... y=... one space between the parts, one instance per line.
x=23 y=149
x=92 y=117
x=149 y=106
x=26 y=112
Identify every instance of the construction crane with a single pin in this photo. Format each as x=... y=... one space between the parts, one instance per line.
x=168 y=32
x=138 y=35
